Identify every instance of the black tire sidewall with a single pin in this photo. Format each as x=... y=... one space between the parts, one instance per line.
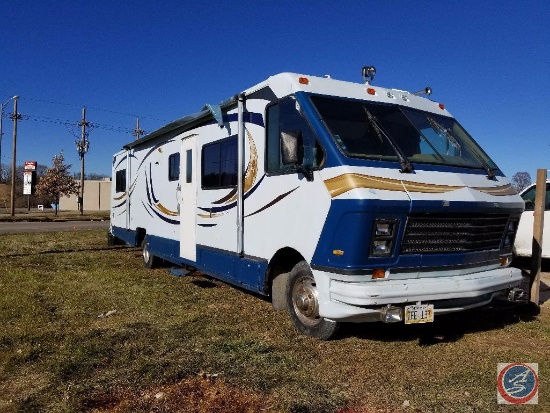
x=326 y=328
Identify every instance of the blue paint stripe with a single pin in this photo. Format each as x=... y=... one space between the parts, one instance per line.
x=119 y=205
x=170 y=221
x=122 y=160
x=349 y=228
x=146 y=209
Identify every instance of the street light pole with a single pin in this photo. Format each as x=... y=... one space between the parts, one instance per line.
x=15 y=116
x=1 y=133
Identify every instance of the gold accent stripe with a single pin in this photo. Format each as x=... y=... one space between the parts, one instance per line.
x=166 y=211
x=118 y=198
x=498 y=190
x=215 y=215
x=251 y=168
x=346 y=182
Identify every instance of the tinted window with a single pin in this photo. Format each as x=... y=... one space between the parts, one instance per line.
x=219 y=164
x=174 y=167
x=378 y=131
x=120 y=180
x=529 y=198
x=189 y=166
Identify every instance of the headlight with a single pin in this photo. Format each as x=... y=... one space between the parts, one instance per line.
x=510 y=234
x=383 y=238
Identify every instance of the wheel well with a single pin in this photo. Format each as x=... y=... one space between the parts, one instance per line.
x=277 y=273
x=282 y=262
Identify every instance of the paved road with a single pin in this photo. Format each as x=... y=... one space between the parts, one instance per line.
x=19 y=227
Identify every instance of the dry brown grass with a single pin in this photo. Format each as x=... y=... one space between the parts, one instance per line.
x=200 y=394
x=192 y=344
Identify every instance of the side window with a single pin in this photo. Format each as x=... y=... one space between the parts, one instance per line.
x=174 y=167
x=120 y=180
x=285 y=116
x=529 y=198
x=219 y=164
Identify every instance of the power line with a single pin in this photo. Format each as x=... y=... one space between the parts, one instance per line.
x=51 y=102
x=68 y=123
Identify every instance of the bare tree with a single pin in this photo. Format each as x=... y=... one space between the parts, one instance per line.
x=57 y=181
x=92 y=176
x=521 y=180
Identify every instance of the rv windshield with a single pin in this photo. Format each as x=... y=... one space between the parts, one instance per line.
x=391 y=132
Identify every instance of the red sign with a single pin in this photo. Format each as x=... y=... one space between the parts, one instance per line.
x=30 y=165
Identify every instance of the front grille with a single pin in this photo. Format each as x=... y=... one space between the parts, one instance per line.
x=441 y=234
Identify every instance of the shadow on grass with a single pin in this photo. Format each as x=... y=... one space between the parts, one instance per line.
x=204 y=283
x=66 y=251
x=445 y=328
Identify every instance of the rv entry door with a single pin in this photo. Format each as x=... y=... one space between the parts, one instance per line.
x=188 y=198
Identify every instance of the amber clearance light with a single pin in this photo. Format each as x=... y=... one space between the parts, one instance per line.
x=303 y=81
x=378 y=273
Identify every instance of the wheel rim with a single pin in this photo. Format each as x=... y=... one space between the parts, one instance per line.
x=146 y=254
x=305 y=302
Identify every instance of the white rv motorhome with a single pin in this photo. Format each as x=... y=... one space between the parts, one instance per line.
x=341 y=201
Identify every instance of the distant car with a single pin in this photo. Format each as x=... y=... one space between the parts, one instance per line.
x=524 y=237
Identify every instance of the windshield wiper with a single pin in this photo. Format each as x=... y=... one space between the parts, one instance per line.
x=454 y=142
x=450 y=138
x=406 y=166
x=442 y=131
x=488 y=169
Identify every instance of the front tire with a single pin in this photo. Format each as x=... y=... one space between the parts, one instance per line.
x=149 y=260
x=303 y=304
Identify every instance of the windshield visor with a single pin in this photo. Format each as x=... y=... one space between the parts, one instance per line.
x=390 y=132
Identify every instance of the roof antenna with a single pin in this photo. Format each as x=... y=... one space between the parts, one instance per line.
x=368 y=73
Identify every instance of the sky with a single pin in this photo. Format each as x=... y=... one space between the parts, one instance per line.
x=487 y=61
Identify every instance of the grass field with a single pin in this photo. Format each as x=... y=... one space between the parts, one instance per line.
x=86 y=328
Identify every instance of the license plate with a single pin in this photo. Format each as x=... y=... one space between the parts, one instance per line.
x=419 y=313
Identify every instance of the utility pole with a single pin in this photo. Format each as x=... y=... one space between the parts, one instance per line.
x=538 y=227
x=137 y=131
x=82 y=146
x=1 y=132
x=15 y=116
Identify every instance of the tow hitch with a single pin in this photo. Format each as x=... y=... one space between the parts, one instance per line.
x=517 y=295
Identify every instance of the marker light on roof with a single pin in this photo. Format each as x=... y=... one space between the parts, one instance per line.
x=442 y=106
x=371 y=91
x=303 y=81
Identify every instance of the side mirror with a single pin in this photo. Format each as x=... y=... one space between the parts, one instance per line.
x=292 y=152
x=292 y=148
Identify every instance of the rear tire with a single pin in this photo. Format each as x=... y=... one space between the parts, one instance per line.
x=149 y=260
x=303 y=304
